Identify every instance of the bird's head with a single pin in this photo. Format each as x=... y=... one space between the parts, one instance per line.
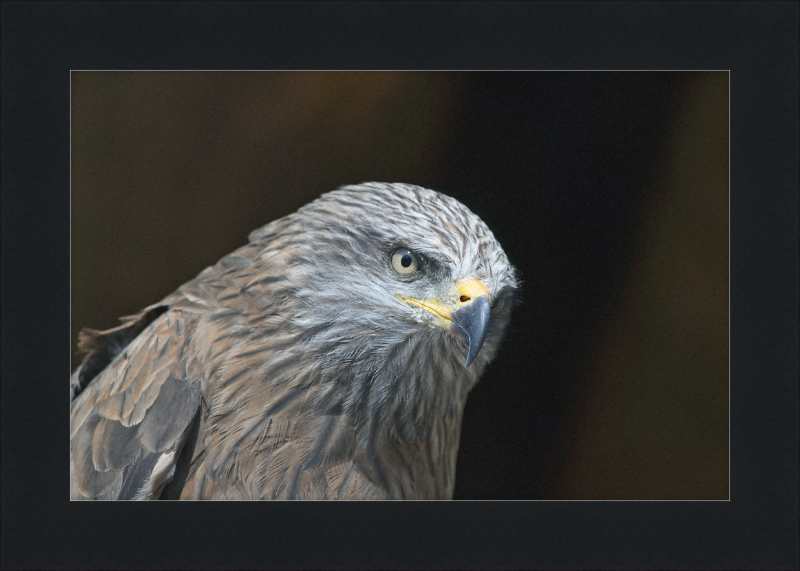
x=380 y=263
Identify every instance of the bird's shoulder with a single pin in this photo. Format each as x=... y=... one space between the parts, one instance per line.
x=135 y=397
x=130 y=422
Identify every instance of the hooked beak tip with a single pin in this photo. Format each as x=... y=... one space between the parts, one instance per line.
x=471 y=324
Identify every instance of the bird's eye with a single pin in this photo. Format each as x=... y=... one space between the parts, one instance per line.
x=404 y=261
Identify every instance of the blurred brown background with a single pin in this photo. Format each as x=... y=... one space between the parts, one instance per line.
x=609 y=191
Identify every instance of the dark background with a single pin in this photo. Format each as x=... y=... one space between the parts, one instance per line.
x=608 y=190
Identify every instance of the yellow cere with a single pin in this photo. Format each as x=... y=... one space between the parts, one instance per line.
x=467 y=291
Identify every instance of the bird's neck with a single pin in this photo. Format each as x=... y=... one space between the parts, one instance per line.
x=402 y=393
x=417 y=466
x=407 y=414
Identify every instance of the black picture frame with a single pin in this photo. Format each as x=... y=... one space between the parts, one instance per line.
x=757 y=41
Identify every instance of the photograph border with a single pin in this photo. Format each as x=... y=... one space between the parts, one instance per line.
x=757 y=42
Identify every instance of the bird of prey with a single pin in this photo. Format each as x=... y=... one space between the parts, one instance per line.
x=329 y=358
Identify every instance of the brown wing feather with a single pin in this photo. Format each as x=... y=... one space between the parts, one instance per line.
x=101 y=347
x=129 y=423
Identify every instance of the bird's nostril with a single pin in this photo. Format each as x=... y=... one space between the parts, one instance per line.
x=464 y=298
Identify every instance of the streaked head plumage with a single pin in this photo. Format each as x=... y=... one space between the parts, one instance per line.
x=341 y=264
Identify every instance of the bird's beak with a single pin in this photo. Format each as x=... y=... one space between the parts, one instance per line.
x=467 y=319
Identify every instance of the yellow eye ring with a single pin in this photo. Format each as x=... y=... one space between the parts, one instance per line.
x=404 y=261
